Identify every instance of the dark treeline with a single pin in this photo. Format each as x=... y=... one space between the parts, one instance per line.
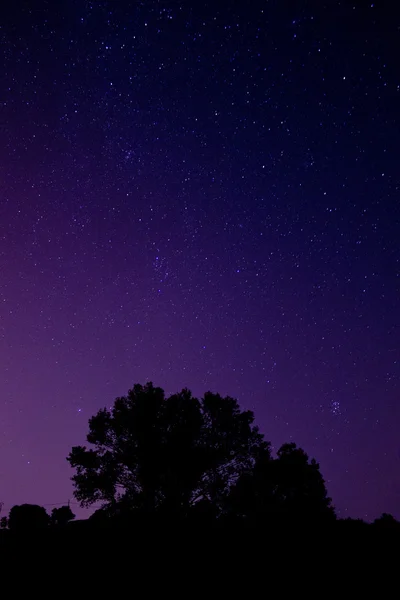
x=162 y=465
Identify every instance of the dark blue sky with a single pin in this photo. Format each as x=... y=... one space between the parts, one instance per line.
x=202 y=195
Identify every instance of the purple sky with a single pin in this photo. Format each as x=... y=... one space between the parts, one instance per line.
x=203 y=195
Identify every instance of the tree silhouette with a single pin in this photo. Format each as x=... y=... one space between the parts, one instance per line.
x=300 y=485
x=27 y=516
x=4 y=523
x=61 y=516
x=287 y=487
x=165 y=454
x=352 y=526
x=386 y=522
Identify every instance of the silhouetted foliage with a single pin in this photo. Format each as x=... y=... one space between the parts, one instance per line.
x=61 y=516
x=100 y=515
x=165 y=454
x=287 y=487
x=27 y=516
x=386 y=522
x=352 y=525
x=198 y=472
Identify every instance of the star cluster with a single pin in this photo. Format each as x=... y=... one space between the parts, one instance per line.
x=201 y=195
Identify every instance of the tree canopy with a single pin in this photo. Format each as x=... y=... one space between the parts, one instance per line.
x=288 y=487
x=157 y=453
x=178 y=454
x=61 y=516
x=24 y=517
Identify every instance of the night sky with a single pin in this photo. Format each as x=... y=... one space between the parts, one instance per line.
x=202 y=195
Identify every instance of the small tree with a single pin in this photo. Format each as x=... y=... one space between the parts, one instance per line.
x=4 y=523
x=287 y=487
x=300 y=486
x=28 y=516
x=158 y=453
x=61 y=516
